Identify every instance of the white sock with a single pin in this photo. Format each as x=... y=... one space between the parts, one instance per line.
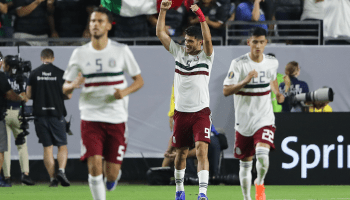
x=97 y=187
x=203 y=177
x=179 y=179
x=262 y=163
x=61 y=169
x=245 y=177
x=52 y=178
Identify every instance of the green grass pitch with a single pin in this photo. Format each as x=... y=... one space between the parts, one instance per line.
x=145 y=192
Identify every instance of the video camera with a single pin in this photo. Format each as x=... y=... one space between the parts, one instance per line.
x=18 y=68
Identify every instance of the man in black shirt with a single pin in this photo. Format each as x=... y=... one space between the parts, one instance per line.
x=5 y=93
x=45 y=88
x=34 y=20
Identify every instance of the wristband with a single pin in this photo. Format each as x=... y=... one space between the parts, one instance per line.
x=200 y=15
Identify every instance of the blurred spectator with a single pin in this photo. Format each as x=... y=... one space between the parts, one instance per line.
x=337 y=20
x=287 y=10
x=313 y=10
x=215 y=15
x=4 y=6
x=291 y=87
x=250 y=10
x=173 y=22
x=34 y=20
x=232 y=16
x=130 y=27
x=72 y=17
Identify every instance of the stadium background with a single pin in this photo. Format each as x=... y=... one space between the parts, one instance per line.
x=148 y=121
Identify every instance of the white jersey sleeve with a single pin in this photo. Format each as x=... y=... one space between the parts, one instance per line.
x=234 y=73
x=175 y=49
x=131 y=67
x=73 y=67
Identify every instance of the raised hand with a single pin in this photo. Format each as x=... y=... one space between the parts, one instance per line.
x=165 y=5
x=194 y=8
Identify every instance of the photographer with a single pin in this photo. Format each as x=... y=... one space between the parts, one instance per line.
x=13 y=125
x=291 y=87
x=5 y=93
x=45 y=88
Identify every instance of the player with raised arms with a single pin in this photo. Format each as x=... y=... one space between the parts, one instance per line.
x=192 y=115
x=250 y=79
x=100 y=66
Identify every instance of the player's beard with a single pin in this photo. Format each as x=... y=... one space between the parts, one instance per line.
x=97 y=36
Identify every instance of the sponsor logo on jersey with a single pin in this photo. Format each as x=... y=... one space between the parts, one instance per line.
x=231 y=75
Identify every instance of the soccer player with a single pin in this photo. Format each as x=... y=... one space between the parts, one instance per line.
x=100 y=65
x=192 y=115
x=250 y=79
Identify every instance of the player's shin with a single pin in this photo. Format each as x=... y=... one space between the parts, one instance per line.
x=179 y=179
x=97 y=187
x=262 y=164
x=245 y=177
x=203 y=177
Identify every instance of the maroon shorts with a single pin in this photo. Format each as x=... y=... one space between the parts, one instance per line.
x=105 y=139
x=191 y=127
x=245 y=146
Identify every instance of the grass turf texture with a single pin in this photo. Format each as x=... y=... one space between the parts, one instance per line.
x=145 y=192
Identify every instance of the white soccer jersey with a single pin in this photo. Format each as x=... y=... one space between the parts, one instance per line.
x=103 y=71
x=253 y=106
x=191 y=79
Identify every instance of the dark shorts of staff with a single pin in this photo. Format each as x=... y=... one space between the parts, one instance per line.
x=51 y=130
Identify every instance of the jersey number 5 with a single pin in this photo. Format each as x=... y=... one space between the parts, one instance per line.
x=121 y=153
x=98 y=63
x=268 y=135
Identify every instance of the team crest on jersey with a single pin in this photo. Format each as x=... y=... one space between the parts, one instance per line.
x=238 y=151
x=188 y=62
x=231 y=75
x=112 y=63
x=196 y=59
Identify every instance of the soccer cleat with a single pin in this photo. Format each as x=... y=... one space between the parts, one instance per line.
x=259 y=191
x=54 y=183
x=5 y=183
x=110 y=186
x=180 y=195
x=202 y=196
x=63 y=179
x=27 y=180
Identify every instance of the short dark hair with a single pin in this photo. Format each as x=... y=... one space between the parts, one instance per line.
x=105 y=11
x=47 y=53
x=194 y=31
x=258 y=31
